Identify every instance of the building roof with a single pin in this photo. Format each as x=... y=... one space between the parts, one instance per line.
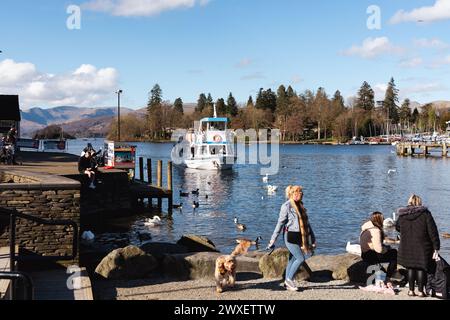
x=9 y=107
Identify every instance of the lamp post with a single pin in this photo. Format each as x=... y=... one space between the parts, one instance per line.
x=119 y=92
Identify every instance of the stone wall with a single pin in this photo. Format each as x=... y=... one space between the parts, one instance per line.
x=111 y=196
x=43 y=196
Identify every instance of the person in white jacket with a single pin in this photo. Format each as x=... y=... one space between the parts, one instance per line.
x=373 y=250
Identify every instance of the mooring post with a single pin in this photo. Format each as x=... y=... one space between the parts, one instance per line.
x=444 y=149
x=159 y=183
x=141 y=169
x=170 y=187
x=425 y=151
x=149 y=171
x=159 y=174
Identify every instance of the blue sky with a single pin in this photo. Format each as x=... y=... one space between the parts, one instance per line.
x=218 y=46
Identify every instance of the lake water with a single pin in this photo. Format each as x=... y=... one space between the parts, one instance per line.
x=342 y=186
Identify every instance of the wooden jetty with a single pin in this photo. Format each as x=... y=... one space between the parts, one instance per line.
x=410 y=149
x=145 y=189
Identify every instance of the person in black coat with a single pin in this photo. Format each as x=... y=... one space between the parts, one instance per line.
x=86 y=166
x=419 y=242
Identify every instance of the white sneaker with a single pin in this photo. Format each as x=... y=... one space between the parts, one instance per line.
x=290 y=285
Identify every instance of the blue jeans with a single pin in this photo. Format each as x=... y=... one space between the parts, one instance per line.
x=296 y=258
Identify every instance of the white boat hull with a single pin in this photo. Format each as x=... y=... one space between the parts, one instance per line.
x=212 y=162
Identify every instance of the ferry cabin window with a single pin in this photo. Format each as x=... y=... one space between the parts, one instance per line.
x=220 y=126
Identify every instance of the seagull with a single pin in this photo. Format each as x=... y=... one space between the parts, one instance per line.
x=266 y=178
x=353 y=248
x=240 y=226
x=392 y=171
x=271 y=189
x=154 y=222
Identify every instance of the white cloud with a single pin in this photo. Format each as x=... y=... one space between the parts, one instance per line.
x=441 y=62
x=12 y=72
x=296 y=79
x=439 y=11
x=411 y=63
x=421 y=89
x=430 y=43
x=244 y=63
x=373 y=47
x=139 y=8
x=253 y=76
x=86 y=86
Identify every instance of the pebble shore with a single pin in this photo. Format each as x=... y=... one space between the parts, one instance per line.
x=246 y=289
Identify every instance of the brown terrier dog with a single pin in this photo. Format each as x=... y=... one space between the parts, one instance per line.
x=225 y=271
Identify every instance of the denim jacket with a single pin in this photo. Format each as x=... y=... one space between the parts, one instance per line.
x=288 y=219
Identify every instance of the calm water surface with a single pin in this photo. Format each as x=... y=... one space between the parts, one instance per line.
x=342 y=186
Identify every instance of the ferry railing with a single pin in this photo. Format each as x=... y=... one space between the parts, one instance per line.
x=26 y=280
x=13 y=257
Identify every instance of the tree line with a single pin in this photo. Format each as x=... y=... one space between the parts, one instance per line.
x=308 y=115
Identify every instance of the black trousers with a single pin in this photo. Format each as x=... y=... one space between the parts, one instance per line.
x=373 y=257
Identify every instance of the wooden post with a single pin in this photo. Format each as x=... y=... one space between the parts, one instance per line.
x=170 y=187
x=159 y=174
x=169 y=176
x=141 y=169
x=149 y=170
x=425 y=151
x=444 y=149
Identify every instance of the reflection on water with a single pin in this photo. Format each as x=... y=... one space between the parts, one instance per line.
x=342 y=185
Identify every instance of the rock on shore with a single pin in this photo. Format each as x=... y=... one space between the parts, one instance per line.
x=127 y=263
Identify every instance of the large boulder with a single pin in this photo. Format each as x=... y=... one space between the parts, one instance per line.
x=201 y=265
x=127 y=263
x=320 y=268
x=272 y=266
x=160 y=249
x=195 y=243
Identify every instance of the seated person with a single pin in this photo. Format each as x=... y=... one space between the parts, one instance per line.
x=85 y=166
x=373 y=250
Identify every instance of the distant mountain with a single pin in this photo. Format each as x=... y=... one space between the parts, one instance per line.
x=38 y=118
x=442 y=105
x=80 y=122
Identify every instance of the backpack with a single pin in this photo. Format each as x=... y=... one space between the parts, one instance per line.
x=438 y=280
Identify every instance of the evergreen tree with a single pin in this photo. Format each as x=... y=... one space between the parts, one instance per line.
x=232 y=107
x=250 y=102
x=390 y=102
x=209 y=100
x=155 y=97
x=266 y=100
x=366 y=97
x=221 y=108
x=282 y=100
x=405 y=112
x=338 y=102
x=178 y=106
x=202 y=103
x=415 y=116
x=290 y=93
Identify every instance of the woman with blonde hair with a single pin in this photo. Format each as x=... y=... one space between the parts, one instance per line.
x=419 y=242
x=298 y=235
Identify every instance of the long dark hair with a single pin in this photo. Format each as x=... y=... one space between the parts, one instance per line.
x=377 y=219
